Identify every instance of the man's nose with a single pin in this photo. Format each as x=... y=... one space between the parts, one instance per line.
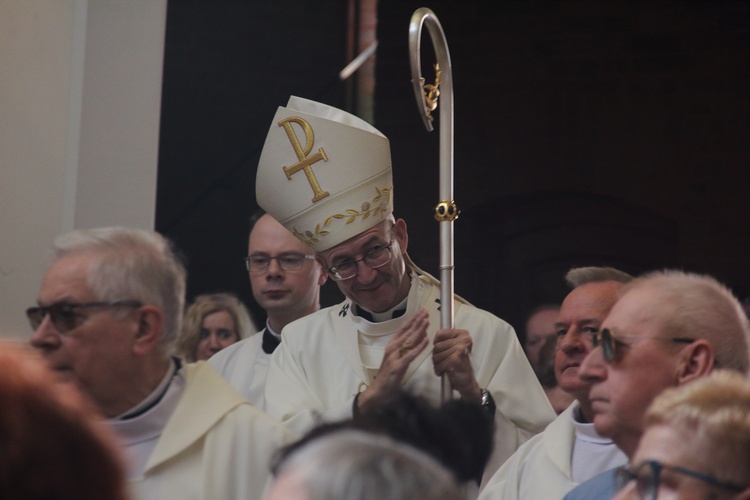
x=274 y=269
x=365 y=274
x=46 y=336
x=593 y=367
x=571 y=342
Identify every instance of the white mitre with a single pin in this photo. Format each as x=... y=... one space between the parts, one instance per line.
x=324 y=174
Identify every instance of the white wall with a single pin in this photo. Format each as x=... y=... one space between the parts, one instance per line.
x=80 y=96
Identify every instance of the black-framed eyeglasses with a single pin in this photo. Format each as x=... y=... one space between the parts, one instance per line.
x=610 y=343
x=258 y=263
x=376 y=257
x=64 y=316
x=647 y=477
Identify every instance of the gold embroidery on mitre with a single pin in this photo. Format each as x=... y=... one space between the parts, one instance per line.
x=305 y=162
x=379 y=204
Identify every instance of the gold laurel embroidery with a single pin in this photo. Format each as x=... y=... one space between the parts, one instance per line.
x=379 y=204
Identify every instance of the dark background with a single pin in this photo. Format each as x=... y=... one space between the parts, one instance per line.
x=586 y=133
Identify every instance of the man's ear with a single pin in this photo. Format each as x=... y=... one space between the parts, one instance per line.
x=323 y=275
x=698 y=361
x=401 y=235
x=150 y=329
x=323 y=269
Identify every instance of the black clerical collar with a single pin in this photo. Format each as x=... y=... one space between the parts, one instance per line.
x=155 y=397
x=271 y=339
x=396 y=312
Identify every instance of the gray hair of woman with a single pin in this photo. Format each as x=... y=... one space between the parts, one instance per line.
x=202 y=306
x=356 y=465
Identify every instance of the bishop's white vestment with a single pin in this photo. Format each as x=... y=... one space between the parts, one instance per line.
x=320 y=366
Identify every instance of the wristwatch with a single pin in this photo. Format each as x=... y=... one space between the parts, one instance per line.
x=488 y=403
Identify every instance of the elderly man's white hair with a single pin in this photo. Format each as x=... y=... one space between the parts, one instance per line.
x=355 y=465
x=132 y=264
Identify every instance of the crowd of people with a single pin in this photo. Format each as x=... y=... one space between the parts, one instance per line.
x=633 y=386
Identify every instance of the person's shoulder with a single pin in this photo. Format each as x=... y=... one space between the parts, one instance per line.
x=223 y=394
x=513 y=472
x=599 y=486
x=224 y=359
x=488 y=321
x=307 y=324
x=249 y=417
x=528 y=449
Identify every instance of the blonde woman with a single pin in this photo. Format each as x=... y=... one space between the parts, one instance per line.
x=211 y=323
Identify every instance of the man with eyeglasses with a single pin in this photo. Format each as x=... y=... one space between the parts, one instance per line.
x=667 y=329
x=326 y=176
x=569 y=451
x=285 y=279
x=110 y=307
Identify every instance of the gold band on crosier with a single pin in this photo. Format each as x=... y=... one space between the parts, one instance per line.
x=446 y=210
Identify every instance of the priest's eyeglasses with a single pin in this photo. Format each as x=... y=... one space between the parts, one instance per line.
x=376 y=257
x=647 y=476
x=258 y=263
x=611 y=344
x=64 y=315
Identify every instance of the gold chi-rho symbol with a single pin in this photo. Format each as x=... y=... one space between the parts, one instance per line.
x=305 y=162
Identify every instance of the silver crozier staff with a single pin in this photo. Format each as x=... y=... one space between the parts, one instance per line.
x=427 y=97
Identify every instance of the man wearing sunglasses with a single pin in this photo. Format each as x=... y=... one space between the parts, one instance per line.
x=286 y=280
x=667 y=329
x=326 y=176
x=109 y=311
x=569 y=451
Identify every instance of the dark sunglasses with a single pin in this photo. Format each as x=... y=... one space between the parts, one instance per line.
x=647 y=476
x=609 y=342
x=64 y=316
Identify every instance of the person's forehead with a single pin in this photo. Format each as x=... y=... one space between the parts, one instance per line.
x=355 y=243
x=666 y=444
x=589 y=301
x=66 y=280
x=636 y=306
x=269 y=236
x=218 y=317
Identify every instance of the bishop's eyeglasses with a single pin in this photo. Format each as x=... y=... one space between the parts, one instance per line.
x=647 y=477
x=376 y=257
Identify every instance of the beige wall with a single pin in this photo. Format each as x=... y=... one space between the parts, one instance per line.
x=80 y=93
